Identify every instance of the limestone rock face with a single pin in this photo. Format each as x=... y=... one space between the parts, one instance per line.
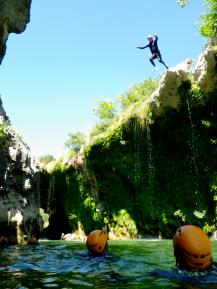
x=19 y=188
x=166 y=94
x=14 y=15
x=3 y=116
x=205 y=74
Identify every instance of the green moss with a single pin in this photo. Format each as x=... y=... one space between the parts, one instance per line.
x=149 y=173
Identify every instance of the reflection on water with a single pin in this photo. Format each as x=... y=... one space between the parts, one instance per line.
x=61 y=264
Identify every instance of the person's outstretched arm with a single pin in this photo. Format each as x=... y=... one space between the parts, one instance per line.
x=142 y=47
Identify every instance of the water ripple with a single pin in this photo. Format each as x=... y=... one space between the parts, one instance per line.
x=69 y=265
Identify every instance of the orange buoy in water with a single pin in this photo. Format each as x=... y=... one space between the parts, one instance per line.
x=33 y=240
x=3 y=240
x=192 y=248
x=97 y=241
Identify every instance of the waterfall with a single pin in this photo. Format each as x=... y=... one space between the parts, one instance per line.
x=50 y=194
x=144 y=169
x=193 y=142
x=18 y=219
x=9 y=216
x=151 y=167
x=138 y=151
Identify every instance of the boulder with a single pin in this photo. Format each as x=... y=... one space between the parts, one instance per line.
x=205 y=73
x=166 y=94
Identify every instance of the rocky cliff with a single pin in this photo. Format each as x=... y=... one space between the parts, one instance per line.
x=19 y=186
x=19 y=189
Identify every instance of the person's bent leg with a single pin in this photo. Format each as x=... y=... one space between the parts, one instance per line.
x=152 y=61
x=161 y=61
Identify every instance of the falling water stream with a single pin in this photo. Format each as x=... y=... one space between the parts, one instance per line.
x=151 y=168
x=138 y=141
x=50 y=192
x=144 y=170
x=193 y=142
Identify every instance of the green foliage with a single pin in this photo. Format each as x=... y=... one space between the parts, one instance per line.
x=75 y=141
x=196 y=95
x=209 y=228
x=123 y=223
x=59 y=165
x=105 y=110
x=208 y=26
x=151 y=173
x=100 y=128
x=46 y=159
x=45 y=218
x=138 y=93
x=176 y=189
x=6 y=132
x=71 y=154
x=1 y=133
x=4 y=129
x=126 y=105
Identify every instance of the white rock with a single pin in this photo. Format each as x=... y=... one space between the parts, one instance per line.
x=18 y=218
x=205 y=73
x=166 y=94
x=13 y=153
x=27 y=184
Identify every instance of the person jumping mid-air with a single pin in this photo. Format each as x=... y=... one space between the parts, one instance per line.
x=154 y=50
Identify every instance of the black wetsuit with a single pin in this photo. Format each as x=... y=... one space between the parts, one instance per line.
x=155 y=52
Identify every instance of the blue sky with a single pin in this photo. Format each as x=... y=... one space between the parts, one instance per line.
x=74 y=53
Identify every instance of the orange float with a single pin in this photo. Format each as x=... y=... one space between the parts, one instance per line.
x=33 y=240
x=97 y=241
x=3 y=240
x=192 y=248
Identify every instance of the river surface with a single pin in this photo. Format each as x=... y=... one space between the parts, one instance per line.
x=129 y=264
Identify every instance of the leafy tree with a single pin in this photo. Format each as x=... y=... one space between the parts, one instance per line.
x=208 y=26
x=105 y=110
x=75 y=141
x=46 y=159
x=100 y=128
x=108 y=111
x=139 y=92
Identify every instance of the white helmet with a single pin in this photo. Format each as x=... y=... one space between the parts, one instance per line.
x=149 y=37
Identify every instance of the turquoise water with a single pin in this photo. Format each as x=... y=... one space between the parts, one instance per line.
x=130 y=264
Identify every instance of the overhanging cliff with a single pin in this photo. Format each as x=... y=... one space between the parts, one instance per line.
x=14 y=16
